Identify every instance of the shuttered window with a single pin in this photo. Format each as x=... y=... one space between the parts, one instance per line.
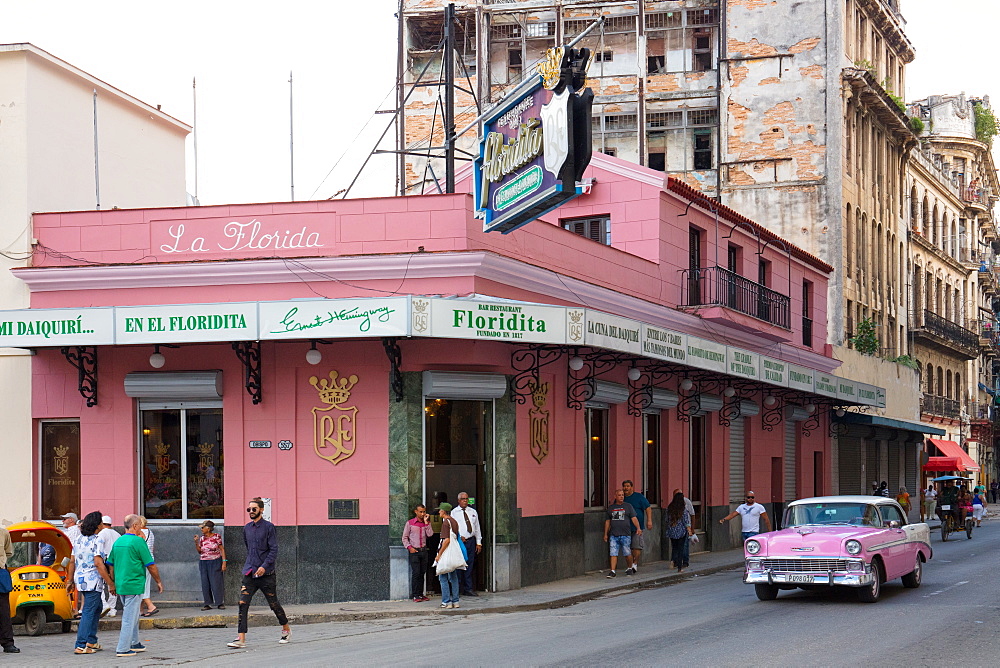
x=790 y=438
x=595 y=228
x=850 y=478
x=737 y=446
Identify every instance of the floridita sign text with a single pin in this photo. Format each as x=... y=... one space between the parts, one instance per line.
x=477 y=319
x=260 y=236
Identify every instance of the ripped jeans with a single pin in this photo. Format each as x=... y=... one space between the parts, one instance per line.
x=249 y=587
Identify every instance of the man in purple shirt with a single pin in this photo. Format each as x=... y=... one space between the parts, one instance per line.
x=261 y=541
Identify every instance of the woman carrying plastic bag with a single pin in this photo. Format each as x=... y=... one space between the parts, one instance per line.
x=450 y=558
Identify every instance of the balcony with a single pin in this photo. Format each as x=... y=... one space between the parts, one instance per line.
x=941 y=406
x=989 y=336
x=716 y=286
x=937 y=332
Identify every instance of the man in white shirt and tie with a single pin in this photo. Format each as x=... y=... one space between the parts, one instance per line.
x=472 y=536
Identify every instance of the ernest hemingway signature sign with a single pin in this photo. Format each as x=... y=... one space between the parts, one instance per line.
x=340 y=318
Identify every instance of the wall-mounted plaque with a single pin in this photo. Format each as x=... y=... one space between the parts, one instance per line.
x=344 y=509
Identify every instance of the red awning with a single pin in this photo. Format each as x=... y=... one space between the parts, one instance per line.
x=952 y=450
x=942 y=464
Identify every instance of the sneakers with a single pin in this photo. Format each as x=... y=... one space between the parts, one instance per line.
x=445 y=605
x=128 y=653
x=630 y=571
x=286 y=636
x=455 y=605
x=611 y=574
x=138 y=647
x=237 y=644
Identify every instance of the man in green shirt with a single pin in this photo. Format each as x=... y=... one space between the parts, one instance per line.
x=128 y=562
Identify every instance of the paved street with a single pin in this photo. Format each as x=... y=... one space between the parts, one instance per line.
x=702 y=621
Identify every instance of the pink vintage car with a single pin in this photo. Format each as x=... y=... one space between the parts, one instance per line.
x=849 y=541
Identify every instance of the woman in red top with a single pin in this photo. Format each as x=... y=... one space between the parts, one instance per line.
x=212 y=564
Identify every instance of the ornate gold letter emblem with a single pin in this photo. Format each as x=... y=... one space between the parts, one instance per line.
x=162 y=457
x=60 y=463
x=420 y=316
x=333 y=426
x=539 y=422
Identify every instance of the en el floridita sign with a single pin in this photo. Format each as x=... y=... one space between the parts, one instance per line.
x=535 y=145
x=499 y=320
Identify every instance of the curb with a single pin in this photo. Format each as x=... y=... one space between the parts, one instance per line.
x=258 y=619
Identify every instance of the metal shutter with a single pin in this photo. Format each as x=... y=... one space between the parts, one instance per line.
x=849 y=456
x=737 y=478
x=910 y=472
x=871 y=466
x=790 y=438
x=893 y=479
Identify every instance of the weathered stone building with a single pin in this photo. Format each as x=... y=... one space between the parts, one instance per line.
x=787 y=112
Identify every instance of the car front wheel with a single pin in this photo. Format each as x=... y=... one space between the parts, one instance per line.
x=766 y=592
x=871 y=593
x=912 y=579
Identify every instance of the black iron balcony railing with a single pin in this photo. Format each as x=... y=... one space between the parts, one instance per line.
x=716 y=285
x=946 y=329
x=943 y=406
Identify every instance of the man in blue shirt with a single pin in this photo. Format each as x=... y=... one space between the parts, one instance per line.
x=640 y=504
x=261 y=540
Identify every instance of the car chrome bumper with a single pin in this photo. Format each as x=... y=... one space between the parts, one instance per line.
x=852 y=579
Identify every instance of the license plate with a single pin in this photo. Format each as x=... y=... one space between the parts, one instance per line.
x=800 y=578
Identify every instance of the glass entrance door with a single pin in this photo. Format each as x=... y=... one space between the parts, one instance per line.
x=458 y=446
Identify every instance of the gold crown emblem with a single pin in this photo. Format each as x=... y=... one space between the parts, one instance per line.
x=205 y=448
x=61 y=450
x=539 y=393
x=162 y=448
x=334 y=391
x=420 y=305
x=576 y=316
x=551 y=67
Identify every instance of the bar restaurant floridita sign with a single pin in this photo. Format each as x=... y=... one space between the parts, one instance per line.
x=474 y=319
x=535 y=145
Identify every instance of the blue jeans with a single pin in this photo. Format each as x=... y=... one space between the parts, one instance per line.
x=449 y=587
x=679 y=551
x=86 y=632
x=749 y=534
x=129 y=635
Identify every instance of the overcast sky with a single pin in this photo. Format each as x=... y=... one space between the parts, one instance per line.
x=343 y=55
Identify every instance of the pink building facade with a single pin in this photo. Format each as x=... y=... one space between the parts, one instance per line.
x=347 y=360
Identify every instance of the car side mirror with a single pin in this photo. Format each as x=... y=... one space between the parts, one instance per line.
x=894 y=524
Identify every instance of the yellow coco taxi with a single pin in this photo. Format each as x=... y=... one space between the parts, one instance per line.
x=39 y=593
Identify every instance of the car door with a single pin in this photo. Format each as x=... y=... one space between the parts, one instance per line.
x=898 y=551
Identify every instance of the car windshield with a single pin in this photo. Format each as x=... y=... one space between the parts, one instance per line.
x=854 y=514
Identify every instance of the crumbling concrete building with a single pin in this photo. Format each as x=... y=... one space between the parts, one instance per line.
x=790 y=113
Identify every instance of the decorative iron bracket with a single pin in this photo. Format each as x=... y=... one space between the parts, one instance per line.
x=583 y=383
x=528 y=361
x=771 y=416
x=395 y=355
x=84 y=358
x=731 y=409
x=248 y=353
x=653 y=375
x=690 y=402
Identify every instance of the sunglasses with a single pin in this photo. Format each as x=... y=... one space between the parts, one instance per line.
x=250 y=510
x=751 y=497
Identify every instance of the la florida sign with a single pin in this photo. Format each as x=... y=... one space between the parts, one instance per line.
x=535 y=145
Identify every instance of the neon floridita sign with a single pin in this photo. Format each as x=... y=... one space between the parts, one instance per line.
x=535 y=145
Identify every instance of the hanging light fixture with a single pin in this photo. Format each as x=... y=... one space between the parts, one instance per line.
x=314 y=356
x=770 y=401
x=810 y=408
x=729 y=392
x=635 y=373
x=576 y=363
x=157 y=360
x=686 y=384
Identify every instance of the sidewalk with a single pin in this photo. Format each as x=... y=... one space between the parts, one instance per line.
x=537 y=597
